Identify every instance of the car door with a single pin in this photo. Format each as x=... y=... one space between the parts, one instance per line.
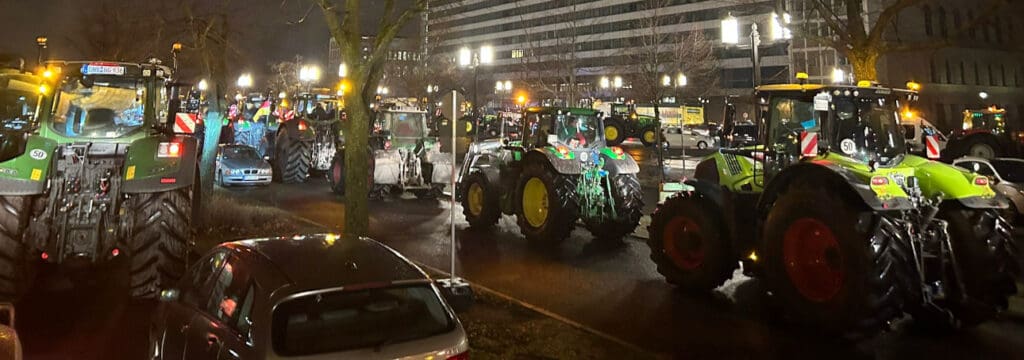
x=221 y=327
x=178 y=314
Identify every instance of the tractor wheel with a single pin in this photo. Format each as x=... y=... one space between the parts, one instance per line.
x=989 y=262
x=16 y=267
x=336 y=173
x=547 y=208
x=161 y=235
x=649 y=136
x=690 y=244
x=479 y=202
x=613 y=132
x=629 y=204
x=292 y=157
x=832 y=265
x=982 y=150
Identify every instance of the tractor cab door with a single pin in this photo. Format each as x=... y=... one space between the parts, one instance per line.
x=791 y=130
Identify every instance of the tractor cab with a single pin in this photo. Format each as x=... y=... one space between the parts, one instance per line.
x=401 y=127
x=19 y=94
x=991 y=119
x=565 y=129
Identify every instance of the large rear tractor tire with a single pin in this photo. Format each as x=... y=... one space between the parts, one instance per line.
x=690 y=244
x=16 y=267
x=161 y=237
x=833 y=265
x=293 y=158
x=629 y=204
x=989 y=263
x=480 y=202
x=547 y=208
x=336 y=173
x=614 y=133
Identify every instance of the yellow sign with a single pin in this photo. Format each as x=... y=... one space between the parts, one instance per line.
x=130 y=174
x=37 y=174
x=693 y=115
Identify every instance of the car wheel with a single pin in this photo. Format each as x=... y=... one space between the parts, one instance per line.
x=702 y=145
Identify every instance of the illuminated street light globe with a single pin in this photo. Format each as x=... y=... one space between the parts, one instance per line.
x=203 y=85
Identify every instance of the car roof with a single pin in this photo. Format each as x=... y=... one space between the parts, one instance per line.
x=326 y=260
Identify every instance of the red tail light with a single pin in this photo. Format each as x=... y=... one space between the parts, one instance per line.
x=168 y=180
x=879 y=181
x=168 y=150
x=462 y=356
x=303 y=126
x=981 y=181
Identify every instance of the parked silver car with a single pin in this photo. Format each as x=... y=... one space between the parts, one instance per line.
x=306 y=297
x=1006 y=178
x=675 y=138
x=242 y=165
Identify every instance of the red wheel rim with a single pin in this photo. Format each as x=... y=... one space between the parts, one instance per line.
x=684 y=243
x=813 y=259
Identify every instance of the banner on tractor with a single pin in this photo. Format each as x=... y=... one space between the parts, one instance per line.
x=808 y=144
x=184 y=123
x=931 y=143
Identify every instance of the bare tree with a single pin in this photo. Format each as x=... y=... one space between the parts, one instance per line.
x=658 y=58
x=551 y=63
x=861 y=33
x=119 y=31
x=693 y=55
x=365 y=73
x=285 y=75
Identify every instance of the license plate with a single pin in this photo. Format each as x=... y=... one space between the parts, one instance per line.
x=250 y=177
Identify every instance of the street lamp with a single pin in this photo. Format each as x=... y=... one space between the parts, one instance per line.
x=617 y=82
x=473 y=60
x=983 y=95
x=605 y=82
x=41 y=43
x=203 y=85
x=244 y=81
x=342 y=70
x=309 y=74
x=730 y=36
x=838 y=76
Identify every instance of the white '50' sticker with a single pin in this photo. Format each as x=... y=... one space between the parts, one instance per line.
x=37 y=154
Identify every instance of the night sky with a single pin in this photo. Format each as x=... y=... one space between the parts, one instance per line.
x=269 y=39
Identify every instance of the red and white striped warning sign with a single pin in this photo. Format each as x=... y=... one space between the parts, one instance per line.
x=184 y=123
x=931 y=144
x=809 y=144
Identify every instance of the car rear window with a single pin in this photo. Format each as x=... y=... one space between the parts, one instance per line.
x=345 y=320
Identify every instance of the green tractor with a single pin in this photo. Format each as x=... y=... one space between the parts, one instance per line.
x=846 y=230
x=559 y=172
x=106 y=167
x=624 y=122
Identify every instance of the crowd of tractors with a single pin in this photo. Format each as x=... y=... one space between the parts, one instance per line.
x=824 y=202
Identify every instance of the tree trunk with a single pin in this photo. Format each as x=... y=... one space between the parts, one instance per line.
x=213 y=61
x=864 y=62
x=357 y=217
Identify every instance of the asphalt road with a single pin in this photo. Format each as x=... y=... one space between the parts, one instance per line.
x=613 y=290
x=617 y=290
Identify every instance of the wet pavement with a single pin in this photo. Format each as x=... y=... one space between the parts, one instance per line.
x=614 y=290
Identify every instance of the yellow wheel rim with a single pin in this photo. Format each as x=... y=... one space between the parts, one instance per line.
x=535 y=202
x=476 y=199
x=649 y=136
x=611 y=133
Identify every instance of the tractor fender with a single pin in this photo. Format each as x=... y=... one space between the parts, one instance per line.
x=291 y=128
x=830 y=176
x=145 y=172
x=622 y=165
x=489 y=164
x=27 y=173
x=562 y=166
x=709 y=190
x=952 y=183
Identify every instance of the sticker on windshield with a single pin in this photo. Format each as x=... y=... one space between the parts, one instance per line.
x=848 y=146
x=37 y=154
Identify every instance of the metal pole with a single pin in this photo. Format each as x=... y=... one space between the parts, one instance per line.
x=451 y=207
x=755 y=42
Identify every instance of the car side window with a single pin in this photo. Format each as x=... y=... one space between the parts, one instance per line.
x=197 y=285
x=231 y=294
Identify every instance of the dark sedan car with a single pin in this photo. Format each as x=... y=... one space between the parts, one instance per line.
x=241 y=165
x=306 y=297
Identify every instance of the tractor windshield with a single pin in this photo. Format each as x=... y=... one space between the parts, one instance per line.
x=867 y=129
x=99 y=107
x=406 y=127
x=578 y=131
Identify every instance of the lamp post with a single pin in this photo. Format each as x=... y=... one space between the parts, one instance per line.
x=474 y=59
x=203 y=85
x=731 y=31
x=41 y=43
x=308 y=75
